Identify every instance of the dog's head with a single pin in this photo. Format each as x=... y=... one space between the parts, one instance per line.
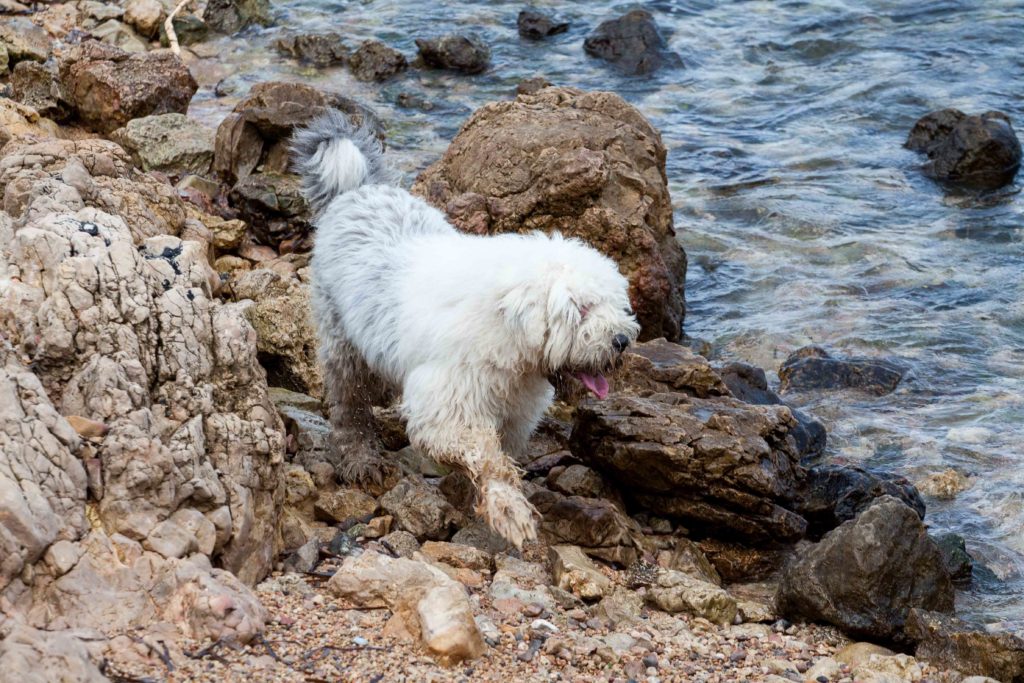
x=573 y=316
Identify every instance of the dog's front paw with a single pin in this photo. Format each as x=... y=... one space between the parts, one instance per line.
x=506 y=510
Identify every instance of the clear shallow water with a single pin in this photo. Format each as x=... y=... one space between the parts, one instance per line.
x=804 y=219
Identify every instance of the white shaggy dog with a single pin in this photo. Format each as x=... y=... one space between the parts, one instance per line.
x=468 y=328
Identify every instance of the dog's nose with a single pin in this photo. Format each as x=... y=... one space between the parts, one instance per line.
x=620 y=342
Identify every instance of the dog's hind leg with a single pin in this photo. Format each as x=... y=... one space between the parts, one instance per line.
x=351 y=389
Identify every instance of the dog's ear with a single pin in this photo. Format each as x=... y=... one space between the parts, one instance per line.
x=524 y=310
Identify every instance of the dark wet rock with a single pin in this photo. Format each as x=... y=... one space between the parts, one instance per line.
x=532 y=86
x=716 y=463
x=737 y=563
x=318 y=49
x=866 y=575
x=252 y=154
x=812 y=367
x=600 y=528
x=959 y=563
x=189 y=29
x=107 y=87
x=632 y=43
x=458 y=52
x=170 y=143
x=980 y=150
x=274 y=207
x=947 y=642
x=537 y=25
x=420 y=509
x=749 y=383
x=22 y=39
x=585 y=164
x=375 y=61
x=833 y=494
x=410 y=100
x=231 y=16
x=36 y=85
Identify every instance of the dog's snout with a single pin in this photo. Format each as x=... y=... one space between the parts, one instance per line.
x=620 y=342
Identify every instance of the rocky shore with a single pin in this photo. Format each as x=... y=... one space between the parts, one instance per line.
x=169 y=508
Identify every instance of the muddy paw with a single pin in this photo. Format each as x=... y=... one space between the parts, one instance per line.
x=506 y=510
x=368 y=470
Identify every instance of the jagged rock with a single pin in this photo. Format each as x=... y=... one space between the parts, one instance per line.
x=231 y=16
x=107 y=87
x=171 y=143
x=304 y=559
x=29 y=655
x=811 y=367
x=22 y=40
x=575 y=572
x=674 y=591
x=716 y=463
x=420 y=509
x=586 y=164
x=580 y=480
x=748 y=383
x=833 y=494
x=976 y=151
x=481 y=536
x=318 y=49
x=401 y=543
x=687 y=557
x=116 y=33
x=622 y=606
x=458 y=555
x=343 y=505
x=145 y=15
x=375 y=61
x=18 y=121
x=285 y=335
x=537 y=25
x=866 y=575
x=457 y=52
x=632 y=43
x=600 y=528
x=35 y=85
x=946 y=641
x=433 y=607
x=274 y=207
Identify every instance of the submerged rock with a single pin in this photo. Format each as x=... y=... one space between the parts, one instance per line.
x=171 y=143
x=457 y=52
x=958 y=562
x=812 y=367
x=318 y=49
x=632 y=43
x=866 y=575
x=375 y=61
x=231 y=16
x=537 y=25
x=946 y=641
x=586 y=164
x=980 y=150
x=107 y=87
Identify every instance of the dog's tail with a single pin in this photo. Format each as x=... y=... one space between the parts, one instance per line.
x=334 y=156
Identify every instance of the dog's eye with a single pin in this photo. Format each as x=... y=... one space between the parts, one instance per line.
x=583 y=312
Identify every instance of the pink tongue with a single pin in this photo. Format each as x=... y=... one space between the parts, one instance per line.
x=598 y=385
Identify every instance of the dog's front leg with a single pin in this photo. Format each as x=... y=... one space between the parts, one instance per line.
x=457 y=427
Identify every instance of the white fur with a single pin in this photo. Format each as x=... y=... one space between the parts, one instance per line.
x=469 y=328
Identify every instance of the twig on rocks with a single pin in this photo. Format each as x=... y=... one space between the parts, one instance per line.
x=164 y=654
x=270 y=651
x=209 y=651
x=172 y=37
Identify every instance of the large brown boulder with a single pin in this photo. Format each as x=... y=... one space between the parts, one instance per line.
x=679 y=445
x=107 y=87
x=584 y=163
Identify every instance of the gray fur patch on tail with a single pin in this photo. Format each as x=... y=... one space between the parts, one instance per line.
x=310 y=144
